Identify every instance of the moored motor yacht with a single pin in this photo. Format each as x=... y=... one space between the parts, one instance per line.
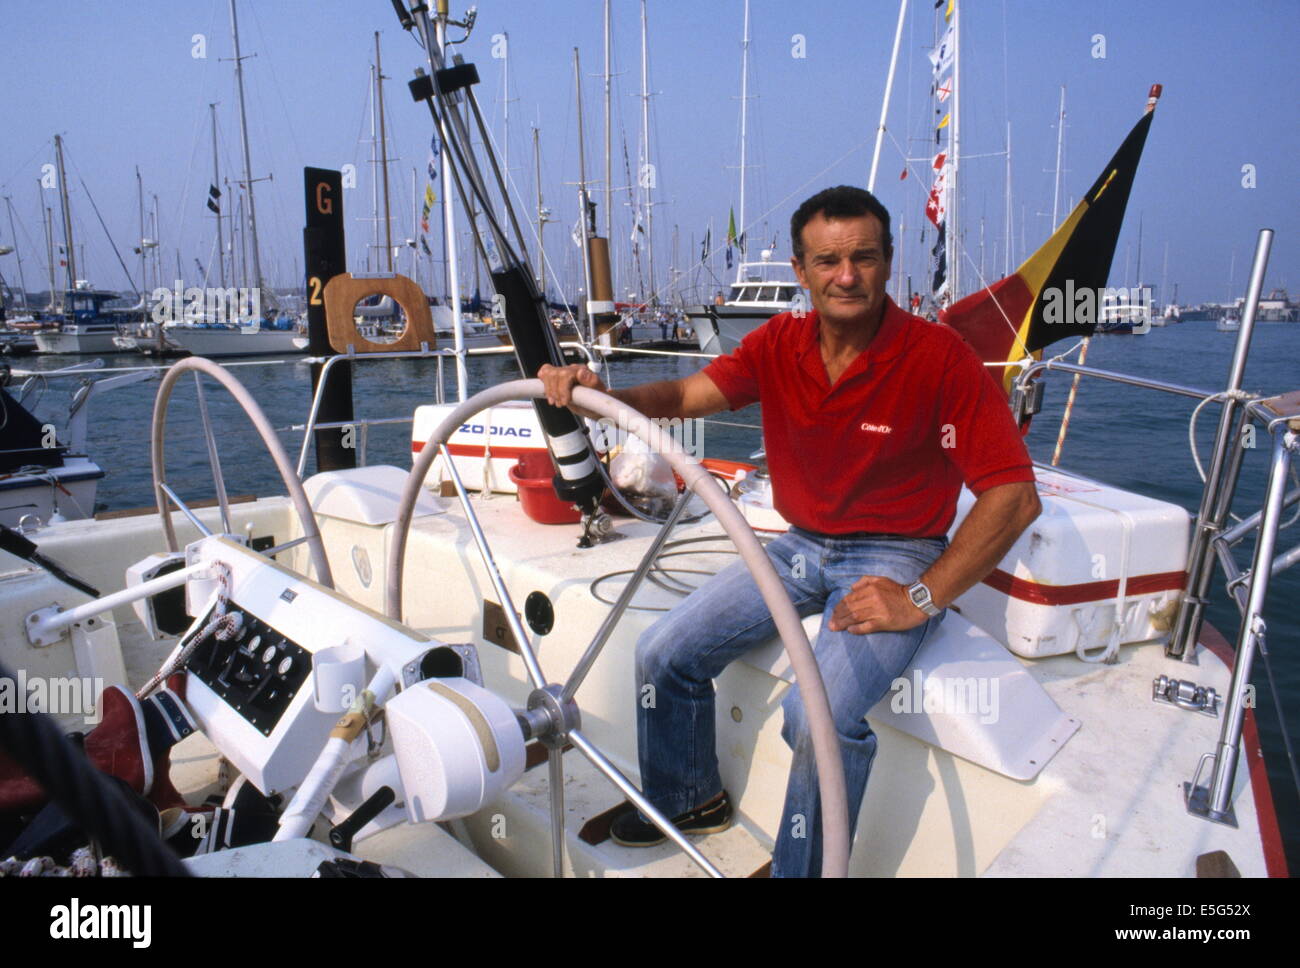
x=88 y=328
x=762 y=290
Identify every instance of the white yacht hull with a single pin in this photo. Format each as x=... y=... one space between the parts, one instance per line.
x=719 y=329
x=70 y=488
x=219 y=343
x=473 y=341
x=74 y=340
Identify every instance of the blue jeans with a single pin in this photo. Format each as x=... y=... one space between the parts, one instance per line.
x=682 y=653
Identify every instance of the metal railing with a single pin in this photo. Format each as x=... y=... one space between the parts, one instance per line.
x=1213 y=540
x=424 y=353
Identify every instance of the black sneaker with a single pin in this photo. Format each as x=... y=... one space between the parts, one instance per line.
x=630 y=830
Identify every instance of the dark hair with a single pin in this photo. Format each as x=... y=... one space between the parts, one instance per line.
x=842 y=201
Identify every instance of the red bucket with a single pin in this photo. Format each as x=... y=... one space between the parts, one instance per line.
x=532 y=475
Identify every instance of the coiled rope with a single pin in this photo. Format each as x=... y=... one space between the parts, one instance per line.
x=87 y=796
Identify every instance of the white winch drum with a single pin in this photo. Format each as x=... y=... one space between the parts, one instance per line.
x=458 y=747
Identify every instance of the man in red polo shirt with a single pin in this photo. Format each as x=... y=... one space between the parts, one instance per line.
x=872 y=420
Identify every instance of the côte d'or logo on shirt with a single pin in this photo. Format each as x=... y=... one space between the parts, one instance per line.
x=873 y=428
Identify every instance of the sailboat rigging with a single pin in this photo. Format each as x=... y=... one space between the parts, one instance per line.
x=761 y=288
x=252 y=325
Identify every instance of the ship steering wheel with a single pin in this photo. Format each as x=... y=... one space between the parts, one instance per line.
x=552 y=704
x=164 y=494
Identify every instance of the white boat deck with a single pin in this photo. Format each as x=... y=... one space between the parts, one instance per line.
x=1109 y=803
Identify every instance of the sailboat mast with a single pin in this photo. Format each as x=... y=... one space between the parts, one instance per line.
x=239 y=256
x=646 y=169
x=673 y=263
x=139 y=195
x=609 y=169
x=374 y=178
x=505 y=129
x=884 y=104
x=744 y=122
x=583 y=204
x=449 y=222
x=954 y=219
x=541 y=216
x=383 y=155
x=415 y=221
x=582 y=149
x=248 y=164
x=157 y=252
x=1060 y=140
x=1006 y=255
x=22 y=283
x=49 y=249
x=157 y=258
x=216 y=182
x=70 y=252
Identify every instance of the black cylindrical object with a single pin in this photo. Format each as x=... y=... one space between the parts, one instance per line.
x=579 y=480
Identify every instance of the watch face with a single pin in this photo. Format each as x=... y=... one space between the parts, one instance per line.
x=919 y=594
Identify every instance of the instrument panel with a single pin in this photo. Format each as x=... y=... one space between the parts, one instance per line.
x=254 y=668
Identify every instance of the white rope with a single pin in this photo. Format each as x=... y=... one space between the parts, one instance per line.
x=82 y=863
x=1240 y=395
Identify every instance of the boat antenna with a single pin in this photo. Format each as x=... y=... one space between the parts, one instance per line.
x=579 y=480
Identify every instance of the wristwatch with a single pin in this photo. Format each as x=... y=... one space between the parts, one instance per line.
x=919 y=593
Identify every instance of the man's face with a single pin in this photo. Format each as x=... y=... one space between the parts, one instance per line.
x=844 y=268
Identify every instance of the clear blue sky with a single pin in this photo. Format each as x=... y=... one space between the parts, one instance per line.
x=119 y=81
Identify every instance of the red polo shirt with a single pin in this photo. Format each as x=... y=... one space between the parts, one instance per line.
x=887 y=448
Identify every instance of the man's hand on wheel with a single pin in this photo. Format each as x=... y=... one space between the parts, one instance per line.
x=559 y=382
x=875 y=604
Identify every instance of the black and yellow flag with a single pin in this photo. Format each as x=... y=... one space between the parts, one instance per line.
x=1017 y=316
